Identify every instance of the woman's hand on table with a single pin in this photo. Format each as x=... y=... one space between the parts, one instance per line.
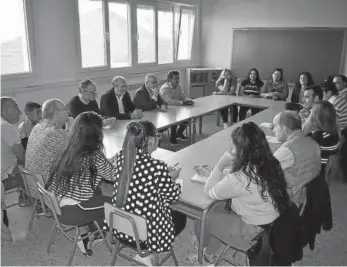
x=174 y=172
x=203 y=171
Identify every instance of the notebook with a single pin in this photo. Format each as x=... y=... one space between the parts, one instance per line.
x=199 y=179
x=266 y=124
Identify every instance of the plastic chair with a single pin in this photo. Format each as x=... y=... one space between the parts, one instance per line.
x=51 y=202
x=31 y=181
x=136 y=227
x=17 y=188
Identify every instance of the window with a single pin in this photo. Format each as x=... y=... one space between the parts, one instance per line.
x=186 y=30
x=119 y=34
x=165 y=36
x=15 y=52
x=91 y=23
x=146 y=34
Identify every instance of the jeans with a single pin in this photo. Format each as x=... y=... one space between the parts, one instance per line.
x=234 y=112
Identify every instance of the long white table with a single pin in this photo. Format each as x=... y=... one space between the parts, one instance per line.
x=193 y=202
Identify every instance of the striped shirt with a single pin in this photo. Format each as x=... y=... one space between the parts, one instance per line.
x=340 y=104
x=252 y=88
x=328 y=143
x=82 y=188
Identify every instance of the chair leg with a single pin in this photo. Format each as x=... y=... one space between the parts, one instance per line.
x=221 y=256
x=156 y=259
x=115 y=253
x=103 y=236
x=33 y=213
x=174 y=257
x=218 y=118
x=74 y=247
x=51 y=241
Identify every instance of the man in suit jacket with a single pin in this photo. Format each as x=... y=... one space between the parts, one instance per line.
x=147 y=96
x=116 y=102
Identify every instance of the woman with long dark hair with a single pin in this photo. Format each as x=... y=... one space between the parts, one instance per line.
x=304 y=80
x=77 y=174
x=324 y=129
x=255 y=184
x=276 y=88
x=252 y=87
x=146 y=186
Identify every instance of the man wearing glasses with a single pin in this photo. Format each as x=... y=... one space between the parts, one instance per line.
x=147 y=97
x=85 y=100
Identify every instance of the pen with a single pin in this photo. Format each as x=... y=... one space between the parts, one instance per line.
x=175 y=165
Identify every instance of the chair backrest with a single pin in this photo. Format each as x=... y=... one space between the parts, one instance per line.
x=50 y=201
x=31 y=180
x=126 y=222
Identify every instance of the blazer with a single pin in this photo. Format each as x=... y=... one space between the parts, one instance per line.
x=142 y=100
x=109 y=105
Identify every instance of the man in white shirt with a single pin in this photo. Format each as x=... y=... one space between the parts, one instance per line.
x=299 y=155
x=12 y=152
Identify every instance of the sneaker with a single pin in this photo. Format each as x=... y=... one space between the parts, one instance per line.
x=181 y=136
x=225 y=125
x=83 y=247
x=148 y=260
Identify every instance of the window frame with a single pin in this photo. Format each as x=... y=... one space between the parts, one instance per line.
x=29 y=22
x=166 y=7
x=135 y=67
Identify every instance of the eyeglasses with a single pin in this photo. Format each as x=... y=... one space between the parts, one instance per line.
x=155 y=82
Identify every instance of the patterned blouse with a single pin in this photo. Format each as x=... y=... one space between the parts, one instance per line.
x=252 y=88
x=81 y=187
x=151 y=191
x=44 y=145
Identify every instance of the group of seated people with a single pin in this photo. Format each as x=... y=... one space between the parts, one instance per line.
x=260 y=185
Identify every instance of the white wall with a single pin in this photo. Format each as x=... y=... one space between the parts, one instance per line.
x=56 y=58
x=219 y=17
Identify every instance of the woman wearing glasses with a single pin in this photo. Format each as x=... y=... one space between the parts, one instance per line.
x=146 y=186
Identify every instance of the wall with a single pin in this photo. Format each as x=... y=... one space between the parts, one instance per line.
x=56 y=72
x=219 y=17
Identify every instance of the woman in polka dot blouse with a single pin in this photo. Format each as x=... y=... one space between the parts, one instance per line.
x=147 y=188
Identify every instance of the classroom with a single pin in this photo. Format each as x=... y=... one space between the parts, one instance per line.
x=173 y=132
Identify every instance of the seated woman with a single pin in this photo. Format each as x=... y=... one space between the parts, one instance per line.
x=226 y=85
x=255 y=184
x=323 y=128
x=145 y=186
x=304 y=80
x=276 y=88
x=78 y=172
x=251 y=86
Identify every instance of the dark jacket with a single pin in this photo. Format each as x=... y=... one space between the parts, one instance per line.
x=142 y=100
x=296 y=95
x=317 y=213
x=109 y=105
x=76 y=107
x=281 y=241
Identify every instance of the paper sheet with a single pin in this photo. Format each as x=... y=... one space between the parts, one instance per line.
x=199 y=179
x=266 y=124
x=272 y=139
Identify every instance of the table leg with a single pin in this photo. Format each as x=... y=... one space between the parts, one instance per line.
x=218 y=117
x=200 y=125
x=191 y=134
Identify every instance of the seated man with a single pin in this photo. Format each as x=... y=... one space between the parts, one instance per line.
x=12 y=153
x=311 y=95
x=33 y=116
x=117 y=103
x=299 y=155
x=174 y=95
x=147 y=97
x=340 y=82
x=85 y=100
x=47 y=138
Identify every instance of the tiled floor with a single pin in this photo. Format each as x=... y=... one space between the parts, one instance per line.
x=30 y=248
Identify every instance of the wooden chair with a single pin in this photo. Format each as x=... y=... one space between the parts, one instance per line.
x=31 y=181
x=136 y=227
x=51 y=202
